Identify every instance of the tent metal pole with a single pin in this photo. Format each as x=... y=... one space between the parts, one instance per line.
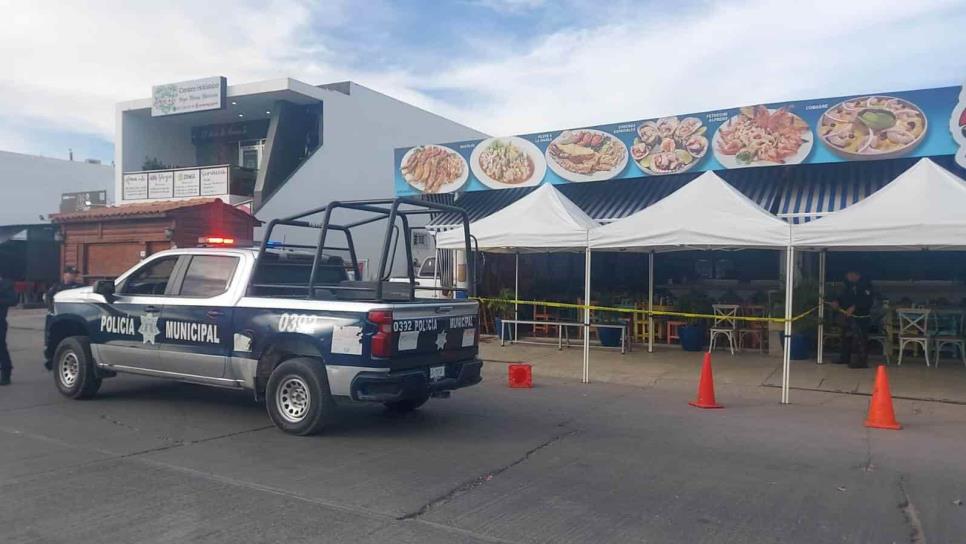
x=820 y=349
x=650 y=302
x=516 y=296
x=787 y=354
x=586 y=376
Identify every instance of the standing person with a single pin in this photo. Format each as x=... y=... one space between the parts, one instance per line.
x=70 y=281
x=855 y=304
x=8 y=298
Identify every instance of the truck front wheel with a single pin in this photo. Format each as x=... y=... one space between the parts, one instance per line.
x=74 y=368
x=298 y=398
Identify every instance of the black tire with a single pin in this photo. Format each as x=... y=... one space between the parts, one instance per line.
x=74 y=372
x=407 y=405
x=298 y=398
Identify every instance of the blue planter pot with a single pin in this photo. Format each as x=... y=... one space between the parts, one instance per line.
x=609 y=337
x=691 y=337
x=801 y=346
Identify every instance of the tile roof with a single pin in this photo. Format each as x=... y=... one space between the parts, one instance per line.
x=132 y=210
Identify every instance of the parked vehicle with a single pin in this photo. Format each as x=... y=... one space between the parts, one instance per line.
x=429 y=282
x=284 y=321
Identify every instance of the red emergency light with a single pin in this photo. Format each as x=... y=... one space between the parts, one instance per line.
x=215 y=241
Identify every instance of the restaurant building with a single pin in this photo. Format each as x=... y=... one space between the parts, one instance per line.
x=798 y=160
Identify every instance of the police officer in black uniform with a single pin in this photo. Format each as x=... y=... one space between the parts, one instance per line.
x=8 y=298
x=855 y=306
x=70 y=282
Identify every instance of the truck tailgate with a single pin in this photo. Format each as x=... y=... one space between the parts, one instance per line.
x=434 y=333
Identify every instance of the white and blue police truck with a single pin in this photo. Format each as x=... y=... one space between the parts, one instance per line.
x=293 y=323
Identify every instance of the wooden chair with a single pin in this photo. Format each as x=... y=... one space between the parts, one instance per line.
x=484 y=319
x=639 y=324
x=725 y=325
x=913 y=329
x=542 y=313
x=672 y=327
x=757 y=330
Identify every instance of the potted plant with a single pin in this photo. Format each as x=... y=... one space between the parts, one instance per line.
x=501 y=308
x=803 y=338
x=693 y=333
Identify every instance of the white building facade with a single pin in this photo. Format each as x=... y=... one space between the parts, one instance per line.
x=277 y=147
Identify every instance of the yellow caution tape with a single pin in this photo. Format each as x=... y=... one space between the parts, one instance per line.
x=642 y=311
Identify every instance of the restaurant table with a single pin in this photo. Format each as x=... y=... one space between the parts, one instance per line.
x=563 y=326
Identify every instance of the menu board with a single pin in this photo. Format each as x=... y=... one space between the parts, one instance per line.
x=160 y=184
x=182 y=183
x=214 y=181
x=847 y=128
x=186 y=183
x=134 y=186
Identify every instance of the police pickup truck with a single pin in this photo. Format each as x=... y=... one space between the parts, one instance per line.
x=285 y=321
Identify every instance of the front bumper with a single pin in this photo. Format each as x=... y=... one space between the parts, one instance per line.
x=413 y=383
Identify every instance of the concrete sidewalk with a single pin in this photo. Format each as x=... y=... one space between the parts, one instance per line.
x=672 y=367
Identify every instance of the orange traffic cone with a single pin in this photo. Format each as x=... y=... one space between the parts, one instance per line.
x=706 y=387
x=881 y=414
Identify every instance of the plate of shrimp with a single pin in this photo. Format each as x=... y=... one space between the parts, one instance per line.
x=762 y=136
x=434 y=169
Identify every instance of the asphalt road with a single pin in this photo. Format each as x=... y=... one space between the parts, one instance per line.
x=153 y=461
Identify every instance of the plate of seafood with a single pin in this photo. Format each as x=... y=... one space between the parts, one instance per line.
x=503 y=163
x=762 y=136
x=872 y=127
x=586 y=155
x=434 y=169
x=670 y=145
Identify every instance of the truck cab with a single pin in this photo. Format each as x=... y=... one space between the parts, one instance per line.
x=294 y=324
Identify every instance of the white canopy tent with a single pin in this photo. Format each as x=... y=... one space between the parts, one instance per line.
x=923 y=208
x=707 y=213
x=543 y=221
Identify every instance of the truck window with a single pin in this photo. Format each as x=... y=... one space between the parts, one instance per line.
x=293 y=269
x=208 y=275
x=150 y=279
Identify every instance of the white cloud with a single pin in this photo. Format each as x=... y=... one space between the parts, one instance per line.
x=726 y=56
x=68 y=63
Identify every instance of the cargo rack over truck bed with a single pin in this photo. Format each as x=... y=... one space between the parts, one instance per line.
x=303 y=270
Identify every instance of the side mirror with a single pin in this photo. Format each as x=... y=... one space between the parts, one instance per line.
x=105 y=288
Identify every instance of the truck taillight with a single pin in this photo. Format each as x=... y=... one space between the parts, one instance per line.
x=382 y=340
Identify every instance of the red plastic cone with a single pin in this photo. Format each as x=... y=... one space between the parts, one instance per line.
x=706 y=387
x=881 y=413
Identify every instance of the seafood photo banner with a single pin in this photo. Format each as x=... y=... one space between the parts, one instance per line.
x=863 y=127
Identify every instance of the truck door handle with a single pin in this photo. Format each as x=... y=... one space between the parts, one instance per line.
x=214 y=314
x=151 y=309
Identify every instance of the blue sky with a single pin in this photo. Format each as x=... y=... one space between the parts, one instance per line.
x=502 y=66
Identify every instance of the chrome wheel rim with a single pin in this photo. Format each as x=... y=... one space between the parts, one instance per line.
x=292 y=399
x=69 y=369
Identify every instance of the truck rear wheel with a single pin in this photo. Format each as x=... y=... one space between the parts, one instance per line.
x=408 y=405
x=74 y=368
x=298 y=398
